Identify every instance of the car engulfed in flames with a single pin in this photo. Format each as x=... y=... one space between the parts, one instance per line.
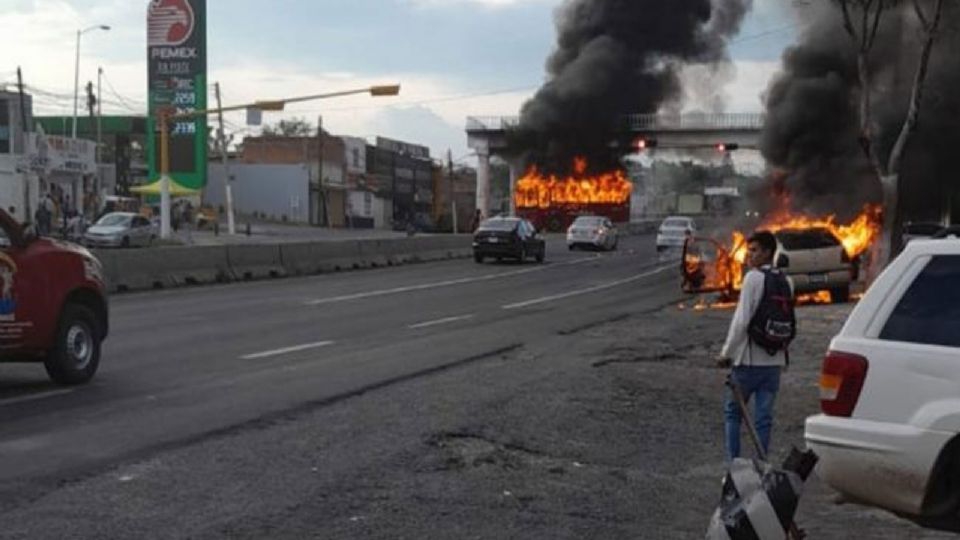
x=553 y=201
x=709 y=266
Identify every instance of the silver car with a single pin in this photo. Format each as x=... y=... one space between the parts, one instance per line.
x=592 y=231
x=120 y=229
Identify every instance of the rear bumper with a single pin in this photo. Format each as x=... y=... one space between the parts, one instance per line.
x=882 y=464
x=496 y=250
x=671 y=241
x=818 y=281
x=595 y=240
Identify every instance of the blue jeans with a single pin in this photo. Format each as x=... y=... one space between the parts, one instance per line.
x=761 y=383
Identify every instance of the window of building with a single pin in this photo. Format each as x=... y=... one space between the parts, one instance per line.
x=929 y=312
x=4 y=126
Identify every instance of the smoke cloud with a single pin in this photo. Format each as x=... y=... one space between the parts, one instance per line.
x=812 y=128
x=615 y=57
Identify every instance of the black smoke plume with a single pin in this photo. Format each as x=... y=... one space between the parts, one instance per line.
x=615 y=57
x=813 y=117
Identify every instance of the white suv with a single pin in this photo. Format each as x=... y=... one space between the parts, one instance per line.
x=889 y=433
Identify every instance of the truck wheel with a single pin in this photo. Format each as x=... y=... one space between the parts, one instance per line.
x=76 y=353
x=541 y=255
x=840 y=295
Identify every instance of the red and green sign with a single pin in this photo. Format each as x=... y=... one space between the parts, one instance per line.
x=177 y=78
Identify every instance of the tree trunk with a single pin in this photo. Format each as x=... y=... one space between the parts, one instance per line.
x=883 y=251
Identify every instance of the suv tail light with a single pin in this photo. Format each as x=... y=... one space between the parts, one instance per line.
x=841 y=380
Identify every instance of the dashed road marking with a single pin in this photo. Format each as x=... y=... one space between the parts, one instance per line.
x=439 y=284
x=287 y=350
x=439 y=322
x=588 y=290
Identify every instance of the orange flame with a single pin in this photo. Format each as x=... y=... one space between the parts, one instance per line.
x=856 y=237
x=534 y=190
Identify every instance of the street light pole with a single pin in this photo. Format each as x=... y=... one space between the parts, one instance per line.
x=164 y=117
x=76 y=73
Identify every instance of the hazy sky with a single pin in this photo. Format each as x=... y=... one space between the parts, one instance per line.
x=454 y=57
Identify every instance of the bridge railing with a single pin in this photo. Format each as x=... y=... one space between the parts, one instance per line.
x=645 y=122
x=492 y=123
x=694 y=121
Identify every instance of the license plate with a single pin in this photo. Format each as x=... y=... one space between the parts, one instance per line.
x=818 y=278
x=493 y=239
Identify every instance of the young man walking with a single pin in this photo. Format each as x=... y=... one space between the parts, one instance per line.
x=762 y=327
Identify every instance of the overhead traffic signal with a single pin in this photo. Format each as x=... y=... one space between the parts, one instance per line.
x=727 y=147
x=644 y=143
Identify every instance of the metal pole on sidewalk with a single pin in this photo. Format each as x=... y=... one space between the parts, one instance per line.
x=24 y=129
x=222 y=139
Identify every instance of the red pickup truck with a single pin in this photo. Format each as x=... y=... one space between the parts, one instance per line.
x=53 y=304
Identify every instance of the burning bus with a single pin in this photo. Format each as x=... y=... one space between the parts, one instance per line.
x=552 y=202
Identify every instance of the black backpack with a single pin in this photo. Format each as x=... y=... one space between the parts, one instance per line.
x=774 y=325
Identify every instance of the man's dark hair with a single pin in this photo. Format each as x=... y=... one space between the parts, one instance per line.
x=766 y=239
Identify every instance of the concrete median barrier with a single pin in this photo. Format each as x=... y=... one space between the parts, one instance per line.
x=248 y=261
x=144 y=269
x=306 y=258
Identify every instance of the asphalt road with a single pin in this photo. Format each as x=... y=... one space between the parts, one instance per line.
x=185 y=366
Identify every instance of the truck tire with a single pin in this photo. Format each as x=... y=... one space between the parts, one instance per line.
x=76 y=353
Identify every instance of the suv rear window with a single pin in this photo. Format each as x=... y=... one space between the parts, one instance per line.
x=929 y=312
x=676 y=222
x=809 y=239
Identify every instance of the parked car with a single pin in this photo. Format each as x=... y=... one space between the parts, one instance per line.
x=592 y=231
x=120 y=229
x=889 y=431
x=816 y=260
x=674 y=231
x=53 y=304
x=508 y=238
x=920 y=229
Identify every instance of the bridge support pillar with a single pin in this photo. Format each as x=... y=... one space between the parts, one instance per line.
x=516 y=170
x=483 y=182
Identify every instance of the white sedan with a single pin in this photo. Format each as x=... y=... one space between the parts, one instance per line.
x=889 y=432
x=674 y=231
x=592 y=231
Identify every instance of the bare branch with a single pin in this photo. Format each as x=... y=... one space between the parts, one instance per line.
x=921 y=15
x=876 y=26
x=913 y=115
x=848 y=21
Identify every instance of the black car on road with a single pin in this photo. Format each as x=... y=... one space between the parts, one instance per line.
x=508 y=238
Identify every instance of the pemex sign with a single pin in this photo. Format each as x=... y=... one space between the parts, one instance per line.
x=177 y=78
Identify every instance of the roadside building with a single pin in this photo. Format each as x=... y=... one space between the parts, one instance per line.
x=121 y=159
x=14 y=183
x=326 y=201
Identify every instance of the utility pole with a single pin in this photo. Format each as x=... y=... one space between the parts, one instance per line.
x=320 y=183
x=222 y=141
x=453 y=198
x=100 y=128
x=24 y=129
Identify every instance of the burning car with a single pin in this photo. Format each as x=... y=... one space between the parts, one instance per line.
x=819 y=254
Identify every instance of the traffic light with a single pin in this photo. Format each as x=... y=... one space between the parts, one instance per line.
x=727 y=147
x=643 y=143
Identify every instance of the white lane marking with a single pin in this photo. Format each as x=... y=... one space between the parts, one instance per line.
x=439 y=284
x=287 y=350
x=438 y=322
x=34 y=397
x=589 y=290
